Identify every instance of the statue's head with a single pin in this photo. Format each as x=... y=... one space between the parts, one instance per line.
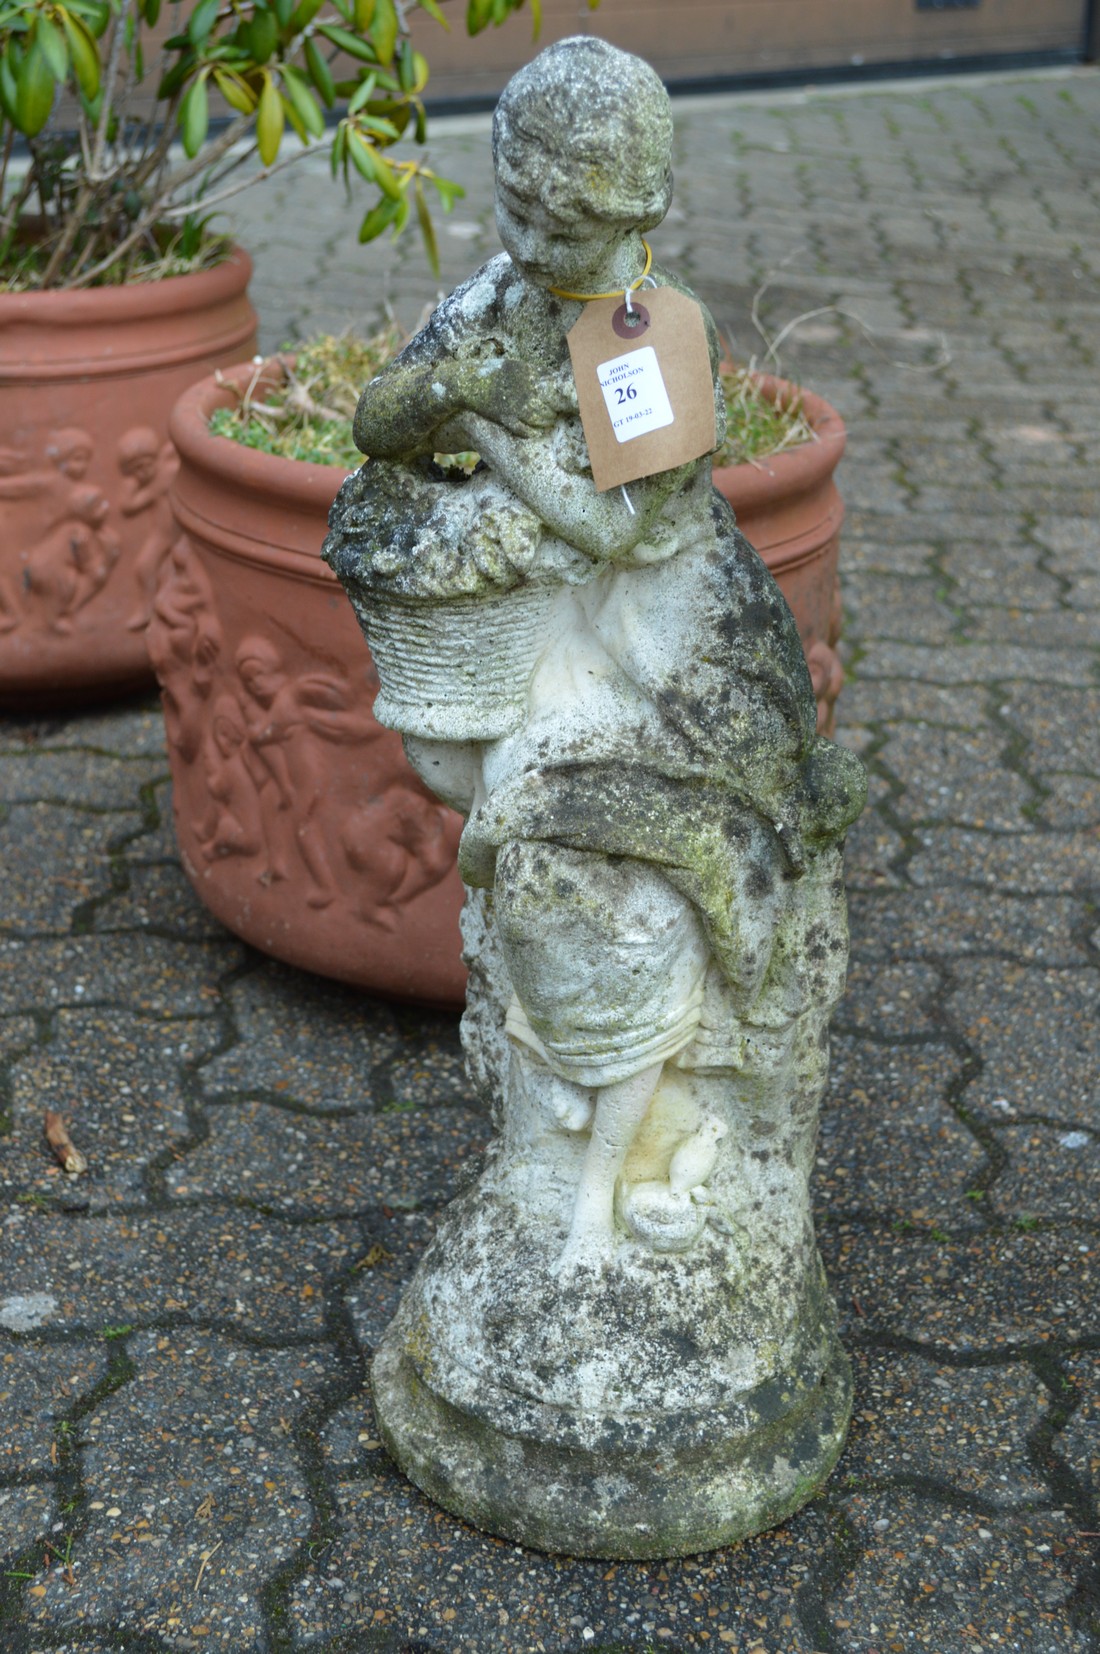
x=582 y=145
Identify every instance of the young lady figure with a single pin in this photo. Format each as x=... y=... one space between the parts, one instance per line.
x=611 y=689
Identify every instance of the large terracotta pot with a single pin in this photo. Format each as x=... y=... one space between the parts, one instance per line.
x=87 y=383
x=300 y=823
x=789 y=509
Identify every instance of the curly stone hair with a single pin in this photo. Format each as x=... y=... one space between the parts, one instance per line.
x=590 y=127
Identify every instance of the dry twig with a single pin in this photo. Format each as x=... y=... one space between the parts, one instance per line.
x=206 y=1555
x=65 y=1152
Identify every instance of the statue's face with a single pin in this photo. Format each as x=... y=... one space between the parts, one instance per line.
x=549 y=249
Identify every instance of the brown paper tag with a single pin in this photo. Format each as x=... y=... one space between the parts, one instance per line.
x=646 y=393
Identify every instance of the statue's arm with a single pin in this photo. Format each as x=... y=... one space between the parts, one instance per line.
x=604 y=526
x=402 y=410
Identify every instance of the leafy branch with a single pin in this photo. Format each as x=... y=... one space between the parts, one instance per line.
x=116 y=203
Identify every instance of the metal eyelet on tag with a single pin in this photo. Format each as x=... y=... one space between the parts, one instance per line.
x=624 y=327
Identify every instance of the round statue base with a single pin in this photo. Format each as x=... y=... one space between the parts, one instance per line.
x=641 y=1403
x=633 y=1491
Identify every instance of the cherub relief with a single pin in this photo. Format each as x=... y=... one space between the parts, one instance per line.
x=185 y=645
x=148 y=467
x=284 y=715
x=71 y=550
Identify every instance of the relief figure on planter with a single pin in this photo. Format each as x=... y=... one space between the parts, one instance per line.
x=63 y=522
x=148 y=466
x=288 y=718
x=185 y=645
x=608 y=684
x=399 y=845
x=233 y=822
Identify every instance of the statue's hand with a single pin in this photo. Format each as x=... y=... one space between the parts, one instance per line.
x=512 y=395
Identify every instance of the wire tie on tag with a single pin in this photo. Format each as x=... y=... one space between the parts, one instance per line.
x=626 y=497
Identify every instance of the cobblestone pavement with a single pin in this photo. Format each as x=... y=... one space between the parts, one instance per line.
x=187 y=1459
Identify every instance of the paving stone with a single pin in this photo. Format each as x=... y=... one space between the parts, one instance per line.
x=240 y=1270
x=294 y=1162
x=1064 y=628
x=871 y=850
x=312 y=1042
x=39 y=1385
x=889 y=1142
x=400 y=1566
x=969 y=663
x=157 y=839
x=1071 y=801
x=1061 y=729
x=194 y=1494
x=27 y=1513
x=948 y=775
x=1078 y=1443
x=117 y=1080
x=1033 y=864
x=46 y=776
x=924 y=1572
x=74 y=844
x=1074 y=542
x=131 y=729
x=1053 y=1172
x=428 y=1065
x=1037 y=1033
x=858 y=738
x=395 y=1242
x=150 y=974
x=965 y=1428
x=157 y=897
x=17 y=1034
x=880 y=699
x=1003 y=594
x=888 y=1000
x=989 y=1292
x=931 y=924
x=890 y=607
x=1083 y=592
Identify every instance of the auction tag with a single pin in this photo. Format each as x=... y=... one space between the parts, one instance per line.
x=634 y=394
x=645 y=388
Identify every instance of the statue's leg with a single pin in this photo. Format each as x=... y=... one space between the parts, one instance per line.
x=607 y=961
x=620 y=1110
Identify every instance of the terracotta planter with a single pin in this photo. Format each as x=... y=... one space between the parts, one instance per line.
x=300 y=823
x=87 y=382
x=789 y=509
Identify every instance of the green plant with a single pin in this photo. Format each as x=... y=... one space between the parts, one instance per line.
x=95 y=100
x=757 y=427
x=305 y=409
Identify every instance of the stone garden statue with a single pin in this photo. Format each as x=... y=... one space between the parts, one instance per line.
x=620 y=1342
